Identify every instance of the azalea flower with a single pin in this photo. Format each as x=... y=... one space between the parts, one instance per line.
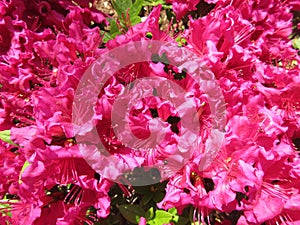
x=151 y=114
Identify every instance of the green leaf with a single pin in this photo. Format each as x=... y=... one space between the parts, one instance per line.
x=118 y=200
x=113 y=26
x=142 y=189
x=173 y=211
x=5 y=209
x=161 y=217
x=136 y=8
x=161 y=186
x=114 y=220
x=106 y=37
x=154 y=2
x=121 y=6
x=135 y=20
x=182 y=221
x=296 y=43
x=149 y=215
x=5 y=136
x=158 y=196
x=111 y=220
x=25 y=165
x=147 y=198
x=113 y=31
x=132 y=213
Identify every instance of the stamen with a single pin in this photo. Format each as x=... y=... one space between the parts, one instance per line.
x=201 y=214
x=75 y=195
x=127 y=192
x=83 y=219
x=275 y=190
x=282 y=219
x=291 y=108
x=244 y=33
x=68 y=172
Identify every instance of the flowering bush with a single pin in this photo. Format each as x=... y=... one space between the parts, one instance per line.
x=251 y=48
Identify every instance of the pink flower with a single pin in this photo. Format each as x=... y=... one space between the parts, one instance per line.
x=181 y=7
x=6 y=35
x=185 y=188
x=46 y=47
x=10 y=166
x=276 y=192
x=139 y=31
x=22 y=211
x=143 y=221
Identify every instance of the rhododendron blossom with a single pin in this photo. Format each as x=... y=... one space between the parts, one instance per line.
x=149 y=112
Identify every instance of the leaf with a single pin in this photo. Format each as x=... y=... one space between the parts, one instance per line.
x=173 y=211
x=114 y=220
x=121 y=6
x=25 y=165
x=142 y=189
x=132 y=213
x=106 y=37
x=5 y=209
x=113 y=26
x=149 y=215
x=161 y=217
x=5 y=136
x=147 y=198
x=161 y=186
x=111 y=220
x=182 y=221
x=136 y=8
x=157 y=2
x=113 y=31
x=296 y=43
x=118 y=200
x=135 y=20
x=158 y=196
x=154 y=2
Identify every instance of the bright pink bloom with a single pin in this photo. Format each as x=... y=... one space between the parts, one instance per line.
x=143 y=221
x=181 y=7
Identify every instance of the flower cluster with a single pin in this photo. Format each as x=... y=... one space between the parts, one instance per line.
x=46 y=47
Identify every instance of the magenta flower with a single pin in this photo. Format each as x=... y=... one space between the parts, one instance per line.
x=182 y=7
x=50 y=176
